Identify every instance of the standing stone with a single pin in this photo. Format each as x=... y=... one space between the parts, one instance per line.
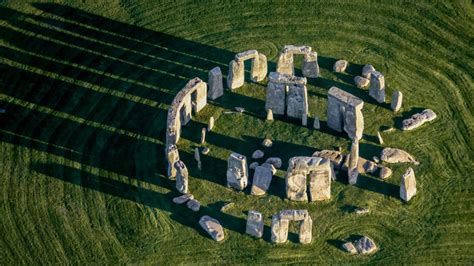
x=296 y=187
x=361 y=82
x=352 y=171
x=197 y=157
x=254 y=224
x=269 y=115
x=320 y=182
x=345 y=112
x=182 y=177
x=279 y=229
x=354 y=119
x=377 y=87
x=297 y=101
x=340 y=66
x=212 y=227
x=216 y=88
x=408 y=185
x=285 y=64
x=210 y=125
x=235 y=78
x=237 y=172
x=310 y=65
x=316 y=123
x=276 y=95
x=379 y=137
x=304 y=120
x=203 y=135
x=306 y=230
x=397 y=98
x=172 y=154
x=367 y=71
x=262 y=178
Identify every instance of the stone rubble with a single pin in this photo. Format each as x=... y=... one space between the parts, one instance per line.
x=408 y=185
x=393 y=155
x=261 y=180
x=361 y=211
x=253 y=165
x=254 y=225
x=267 y=143
x=365 y=245
x=385 y=172
x=212 y=227
x=227 y=206
x=257 y=154
x=336 y=157
x=203 y=135
x=418 y=119
x=379 y=137
x=340 y=66
x=349 y=248
x=239 y=109
x=205 y=150
x=377 y=86
x=182 y=177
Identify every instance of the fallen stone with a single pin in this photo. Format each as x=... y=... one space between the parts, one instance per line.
x=316 y=124
x=183 y=198
x=279 y=229
x=349 y=247
x=197 y=157
x=254 y=224
x=364 y=166
x=365 y=245
x=270 y=166
x=385 y=172
x=408 y=185
x=267 y=143
x=269 y=115
x=361 y=82
x=361 y=211
x=253 y=165
x=257 y=154
x=227 y=206
x=396 y=103
x=352 y=167
x=340 y=66
x=388 y=130
x=336 y=157
x=212 y=227
x=210 y=125
x=392 y=155
x=194 y=205
x=261 y=180
x=376 y=159
x=379 y=137
x=367 y=71
x=239 y=109
x=419 y=119
x=205 y=150
x=275 y=161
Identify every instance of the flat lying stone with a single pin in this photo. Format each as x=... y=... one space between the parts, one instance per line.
x=361 y=211
x=385 y=172
x=194 y=205
x=365 y=245
x=361 y=82
x=367 y=71
x=227 y=206
x=419 y=119
x=275 y=161
x=267 y=143
x=270 y=166
x=254 y=225
x=261 y=180
x=253 y=165
x=379 y=137
x=212 y=227
x=183 y=198
x=392 y=155
x=340 y=66
x=349 y=247
x=257 y=154
x=336 y=157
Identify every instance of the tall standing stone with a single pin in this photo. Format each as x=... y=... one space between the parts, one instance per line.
x=237 y=172
x=316 y=123
x=182 y=177
x=210 y=125
x=216 y=88
x=320 y=182
x=306 y=230
x=203 y=135
x=269 y=114
x=297 y=101
x=352 y=171
x=235 y=78
x=254 y=224
x=212 y=227
x=367 y=71
x=377 y=86
x=279 y=229
x=310 y=65
x=197 y=157
x=408 y=185
x=397 y=98
x=259 y=70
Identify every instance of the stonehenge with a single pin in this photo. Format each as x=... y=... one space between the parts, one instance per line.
x=310 y=66
x=287 y=94
x=320 y=172
x=352 y=171
x=377 y=86
x=408 y=185
x=212 y=227
x=418 y=119
x=254 y=225
x=262 y=178
x=345 y=112
x=181 y=177
x=183 y=198
x=361 y=82
x=237 y=172
x=236 y=76
x=280 y=223
x=340 y=66
x=172 y=156
x=214 y=82
x=396 y=103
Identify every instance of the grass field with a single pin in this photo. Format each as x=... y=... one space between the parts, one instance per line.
x=86 y=88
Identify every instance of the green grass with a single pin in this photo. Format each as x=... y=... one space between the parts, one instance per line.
x=87 y=86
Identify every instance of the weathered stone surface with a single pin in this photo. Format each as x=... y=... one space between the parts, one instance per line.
x=269 y=115
x=379 y=137
x=205 y=150
x=304 y=119
x=320 y=172
x=361 y=82
x=194 y=205
x=418 y=119
x=203 y=135
x=254 y=224
x=310 y=65
x=260 y=72
x=385 y=172
x=212 y=227
x=257 y=154
x=364 y=166
x=285 y=64
x=267 y=143
x=237 y=173
x=275 y=161
x=360 y=211
x=354 y=120
x=296 y=49
x=183 y=198
x=253 y=165
x=316 y=124
x=408 y=185
x=172 y=156
x=216 y=87
x=270 y=166
x=397 y=98
x=377 y=86
x=340 y=66
x=249 y=54
x=352 y=171
x=293 y=215
x=376 y=159
x=320 y=182
x=227 y=206
x=365 y=245
x=181 y=177
x=279 y=229
x=210 y=125
x=197 y=157
x=239 y=109
x=297 y=101
x=281 y=221
x=367 y=71
x=393 y=155
x=261 y=180
x=345 y=112
x=306 y=231
x=349 y=247
x=296 y=187
x=336 y=157
x=235 y=78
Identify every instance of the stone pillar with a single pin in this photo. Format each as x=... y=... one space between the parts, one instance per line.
x=172 y=156
x=354 y=119
x=320 y=181
x=181 y=177
x=259 y=68
x=377 y=86
x=352 y=171
x=197 y=157
x=285 y=64
x=269 y=114
x=262 y=178
x=310 y=65
x=214 y=81
x=306 y=230
x=408 y=185
x=185 y=112
x=235 y=78
x=397 y=98
x=296 y=187
x=254 y=224
x=334 y=114
x=237 y=172
x=276 y=95
x=203 y=135
x=297 y=101
x=279 y=229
